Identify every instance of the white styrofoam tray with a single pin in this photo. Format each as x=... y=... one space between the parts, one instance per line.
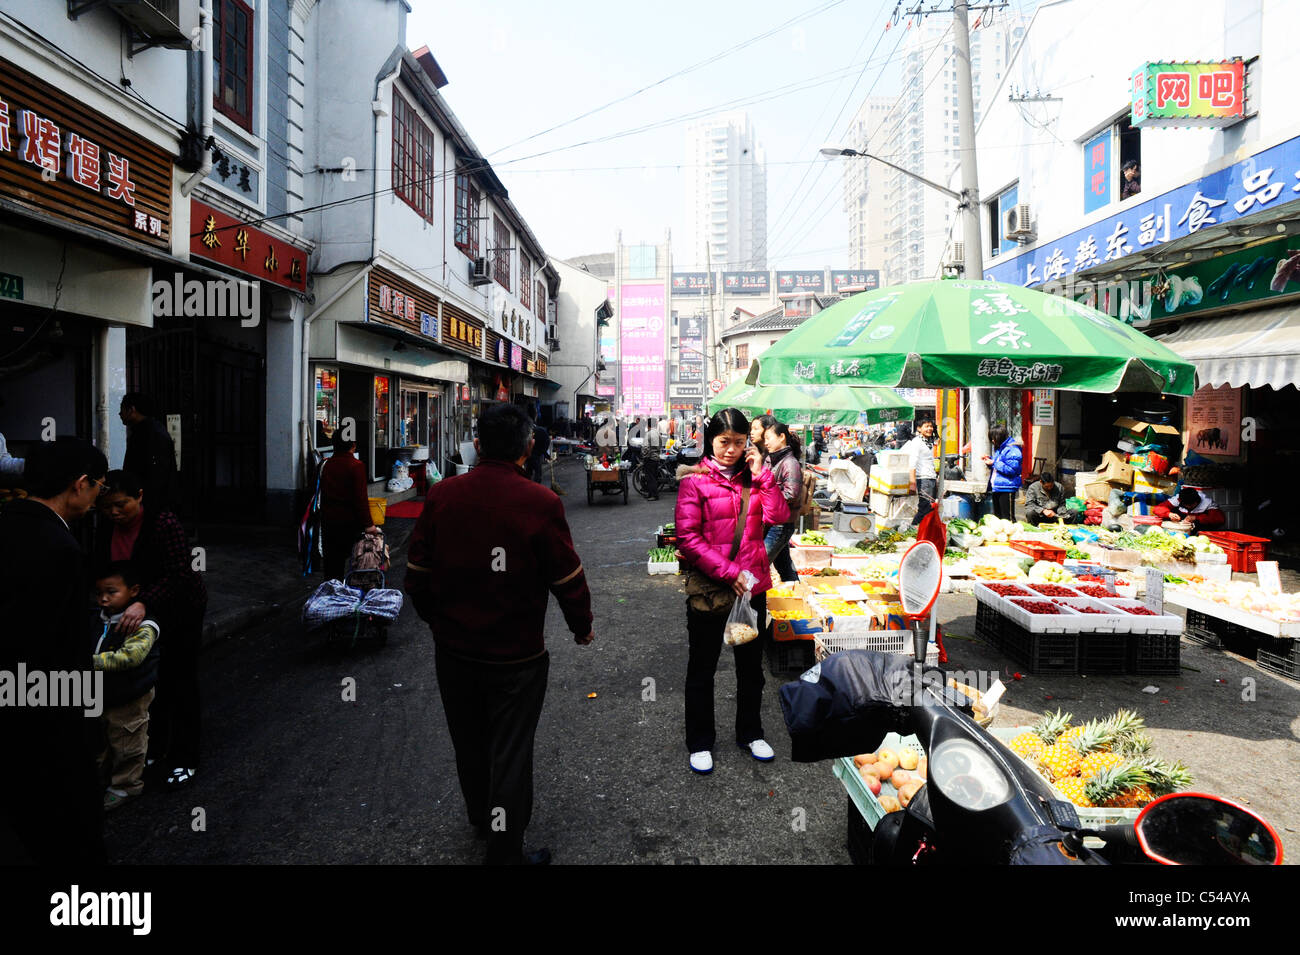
x=1252 y=621
x=1066 y=622
x=1143 y=623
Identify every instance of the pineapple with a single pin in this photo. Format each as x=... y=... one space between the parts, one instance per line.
x=1166 y=777
x=1137 y=746
x=1075 y=790
x=1094 y=763
x=1027 y=746
x=1060 y=760
x=1052 y=725
x=1126 y=724
x=1095 y=736
x=1115 y=787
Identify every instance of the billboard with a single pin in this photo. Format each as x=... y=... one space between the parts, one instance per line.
x=641 y=320
x=865 y=279
x=1189 y=94
x=1096 y=173
x=687 y=283
x=746 y=283
x=692 y=328
x=808 y=281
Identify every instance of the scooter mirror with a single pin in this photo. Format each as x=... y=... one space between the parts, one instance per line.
x=1199 y=829
x=920 y=573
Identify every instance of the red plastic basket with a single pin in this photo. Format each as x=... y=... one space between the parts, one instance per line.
x=1040 y=551
x=1243 y=550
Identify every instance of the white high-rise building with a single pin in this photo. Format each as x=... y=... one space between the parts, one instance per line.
x=726 y=194
x=920 y=132
x=864 y=186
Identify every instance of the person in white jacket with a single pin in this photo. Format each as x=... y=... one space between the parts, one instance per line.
x=920 y=457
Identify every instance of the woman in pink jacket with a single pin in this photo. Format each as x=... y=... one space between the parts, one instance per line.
x=708 y=506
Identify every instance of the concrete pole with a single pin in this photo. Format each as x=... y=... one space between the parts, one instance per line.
x=974 y=265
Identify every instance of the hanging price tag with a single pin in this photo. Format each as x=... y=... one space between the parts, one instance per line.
x=1155 y=595
x=1270 y=581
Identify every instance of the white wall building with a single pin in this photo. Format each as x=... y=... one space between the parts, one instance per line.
x=726 y=195
x=864 y=186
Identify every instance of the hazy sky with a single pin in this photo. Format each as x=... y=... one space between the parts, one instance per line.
x=517 y=68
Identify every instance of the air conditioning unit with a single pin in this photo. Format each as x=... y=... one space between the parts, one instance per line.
x=480 y=274
x=1017 y=224
x=956 y=256
x=167 y=23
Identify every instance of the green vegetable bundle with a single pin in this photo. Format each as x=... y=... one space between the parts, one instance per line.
x=663 y=555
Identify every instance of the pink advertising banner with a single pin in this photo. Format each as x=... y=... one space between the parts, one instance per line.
x=641 y=319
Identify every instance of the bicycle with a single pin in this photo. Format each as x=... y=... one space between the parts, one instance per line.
x=667 y=475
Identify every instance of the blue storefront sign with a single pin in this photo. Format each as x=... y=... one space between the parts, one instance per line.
x=1264 y=181
x=1096 y=172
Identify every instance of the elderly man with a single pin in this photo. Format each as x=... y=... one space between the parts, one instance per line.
x=1045 y=501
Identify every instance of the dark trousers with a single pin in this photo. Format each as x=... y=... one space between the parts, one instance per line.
x=1004 y=505
x=927 y=489
x=777 y=542
x=651 y=471
x=336 y=541
x=704 y=631
x=492 y=713
x=174 y=715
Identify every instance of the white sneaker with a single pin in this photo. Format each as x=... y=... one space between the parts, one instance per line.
x=761 y=751
x=702 y=762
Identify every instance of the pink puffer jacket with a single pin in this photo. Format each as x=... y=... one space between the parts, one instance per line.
x=708 y=504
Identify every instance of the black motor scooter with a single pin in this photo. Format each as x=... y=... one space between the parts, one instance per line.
x=982 y=804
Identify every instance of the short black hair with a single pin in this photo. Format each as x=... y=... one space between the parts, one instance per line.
x=503 y=432
x=1047 y=477
x=54 y=466
x=728 y=419
x=1129 y=164
x=119 y=568
x=341 y=443
x=122 y=482
x=998 y=436
x=140 y=402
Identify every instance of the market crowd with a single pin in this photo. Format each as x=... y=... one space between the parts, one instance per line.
x=127 y=609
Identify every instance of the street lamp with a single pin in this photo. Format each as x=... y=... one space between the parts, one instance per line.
x=831 y=150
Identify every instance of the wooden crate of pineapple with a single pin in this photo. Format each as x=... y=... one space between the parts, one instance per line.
x=1104 y=767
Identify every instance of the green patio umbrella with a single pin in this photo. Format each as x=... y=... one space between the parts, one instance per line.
x=809 y=405
x=965 y=334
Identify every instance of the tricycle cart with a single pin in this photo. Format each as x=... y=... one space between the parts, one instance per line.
x=607 y=480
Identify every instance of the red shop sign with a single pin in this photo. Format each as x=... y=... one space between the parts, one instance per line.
x=218 y=237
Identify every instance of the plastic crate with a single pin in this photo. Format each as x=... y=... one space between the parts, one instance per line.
x=1155 y=654
x=1101 y=653
x=1284 y=661
x=1243 y=550
x=1040 y=551
x=988 y=626
x=883 y=641
x=1089 y=818
x=1200 y=629
x=1040 y=652
x=1222 y=634
x=861 y=798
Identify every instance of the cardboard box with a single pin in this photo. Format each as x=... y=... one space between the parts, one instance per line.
x=887 y=615
x=1100 y=490
x=1145 y=432
x=1115 y=469
x=1148 y=482
x=893 y=506
x=890 y=480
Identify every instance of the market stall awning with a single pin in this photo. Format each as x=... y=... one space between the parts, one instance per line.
x=1259 y=349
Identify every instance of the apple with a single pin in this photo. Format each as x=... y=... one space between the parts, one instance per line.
x=864 y=759
x=923 y=768
x=872 y=782
x=900 y=778
x=890 y=804
x=887 y=757
x=908 y=791
x=907 y=758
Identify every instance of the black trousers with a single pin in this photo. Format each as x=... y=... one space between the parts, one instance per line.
x=492 y=713
x=174 y=723
x=336 y=541
x=1004 y=505
x=704 y=631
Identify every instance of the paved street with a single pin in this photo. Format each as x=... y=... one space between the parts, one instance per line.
x=294 y=774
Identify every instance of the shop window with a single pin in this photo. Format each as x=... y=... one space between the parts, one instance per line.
x=525 y=281
x=412 y=158
x=381 y=412
x=232 y=60
x=327 y=406
x=467 y=206
x=742 y=356
x=413 y=428
x=539 y=302
x=1130 y=150
x=501 y=253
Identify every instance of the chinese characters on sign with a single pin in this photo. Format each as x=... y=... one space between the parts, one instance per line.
x=865 y=280
x=1096 y=171
x=808 y=281
x=691 y=283
x=218 y=237
x=746 y=283
x=1261 y=182
x=1018 y=375
x=1214 y=421
x=641 y=313
x=1189 y=94
x=1044 y=407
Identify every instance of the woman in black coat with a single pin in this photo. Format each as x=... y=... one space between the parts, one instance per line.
x=174 y=595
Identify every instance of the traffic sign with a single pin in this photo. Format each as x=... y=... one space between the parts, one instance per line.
x=716 y=386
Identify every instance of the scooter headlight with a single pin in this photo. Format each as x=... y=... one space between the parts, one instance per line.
x=965 y=774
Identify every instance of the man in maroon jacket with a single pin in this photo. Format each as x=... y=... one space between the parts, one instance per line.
x=344 y=505
x=486 y=551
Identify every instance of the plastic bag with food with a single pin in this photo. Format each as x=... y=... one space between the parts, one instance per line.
x=742 y=622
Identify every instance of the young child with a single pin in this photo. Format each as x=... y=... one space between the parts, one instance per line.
x=129 y=657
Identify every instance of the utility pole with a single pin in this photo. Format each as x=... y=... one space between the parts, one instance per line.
x=974 y=257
